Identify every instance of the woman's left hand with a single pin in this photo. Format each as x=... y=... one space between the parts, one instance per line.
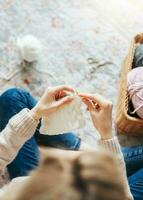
x=52 y=99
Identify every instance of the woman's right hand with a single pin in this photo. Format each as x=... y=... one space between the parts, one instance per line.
x=101 y=113
x=52 y=99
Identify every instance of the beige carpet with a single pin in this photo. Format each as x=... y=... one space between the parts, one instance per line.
x=85 y=42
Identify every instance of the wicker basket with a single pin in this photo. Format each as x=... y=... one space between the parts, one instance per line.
x=125 y=123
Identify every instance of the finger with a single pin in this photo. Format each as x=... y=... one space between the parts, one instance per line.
x=64 y=87
x=89 y=104
x=86 y=95
x=60 y=95
x=64 y=100
x=63 y=94
x=97 y=106
x=100 y=100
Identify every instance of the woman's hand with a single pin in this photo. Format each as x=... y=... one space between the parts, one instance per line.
x=53 y=98
x=101 y=113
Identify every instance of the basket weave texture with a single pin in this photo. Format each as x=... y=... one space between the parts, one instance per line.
x=125 y=123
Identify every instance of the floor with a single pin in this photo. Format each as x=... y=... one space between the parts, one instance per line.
x=78 y=37
x=85 y=42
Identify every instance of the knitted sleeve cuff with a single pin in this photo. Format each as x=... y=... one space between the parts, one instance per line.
x=111 y=145
x=23 y=123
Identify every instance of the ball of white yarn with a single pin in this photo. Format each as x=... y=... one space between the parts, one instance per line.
x=29 y=48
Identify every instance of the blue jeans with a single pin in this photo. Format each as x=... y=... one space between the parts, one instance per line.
x=13 y=101
x=134 y=165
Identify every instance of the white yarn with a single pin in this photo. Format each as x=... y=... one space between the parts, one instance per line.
x=67 y=118
x=29 y=48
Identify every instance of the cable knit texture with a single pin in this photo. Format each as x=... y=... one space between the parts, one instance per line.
x=113 y=146
x=19 y=129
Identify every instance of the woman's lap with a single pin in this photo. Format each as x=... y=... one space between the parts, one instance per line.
x=136 y=184
x=134 y=165
x=133 y=157
x=13 y=101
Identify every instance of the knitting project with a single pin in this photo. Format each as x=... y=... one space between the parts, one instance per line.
x=67 y=118
x=135 y=89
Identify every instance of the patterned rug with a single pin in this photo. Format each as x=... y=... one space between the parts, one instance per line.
x=84 y=41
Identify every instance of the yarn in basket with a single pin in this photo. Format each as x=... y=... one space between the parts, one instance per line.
x=135 y=89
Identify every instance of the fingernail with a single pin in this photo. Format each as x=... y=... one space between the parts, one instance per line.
x=97 y=106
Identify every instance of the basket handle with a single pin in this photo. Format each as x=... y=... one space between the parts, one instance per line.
x=139 y=38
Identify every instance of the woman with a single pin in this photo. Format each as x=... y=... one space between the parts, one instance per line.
x=17 y=135
x=15 y=101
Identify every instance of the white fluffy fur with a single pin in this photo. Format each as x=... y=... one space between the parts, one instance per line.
x=29 y=48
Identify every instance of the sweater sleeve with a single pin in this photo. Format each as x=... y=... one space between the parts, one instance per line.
x=19 y=129
x=113 y=146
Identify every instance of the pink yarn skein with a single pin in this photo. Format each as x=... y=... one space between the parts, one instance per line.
x=135 y=89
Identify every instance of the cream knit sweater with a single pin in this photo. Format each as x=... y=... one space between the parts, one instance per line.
x=20 y=128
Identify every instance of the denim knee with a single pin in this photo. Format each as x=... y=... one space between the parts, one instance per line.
x=12 y=102
x=136 y=185
x=12 y=94
x=17 y=96
x=68 y=141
